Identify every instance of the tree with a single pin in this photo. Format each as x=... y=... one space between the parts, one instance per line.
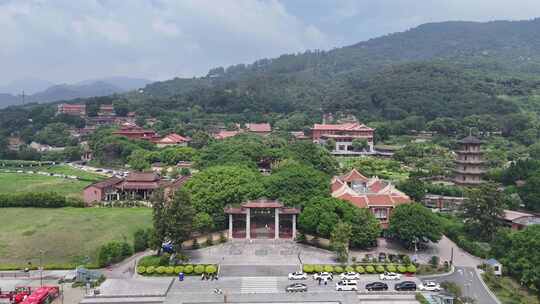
x=158 y=220
x=339 y=241
x=179 y=218
x=322 y=214
x=413 y=187
x=360 y=144
x=138 y=160
x=54 y=134
x=414 y=223
x=530 y=192
x=202 y=222
x=330 y=145
x=216 y=187
x=140 y=240
x=483 y=210
x=295 y=183
x=519 y=252
x=200 y=139
x=121 y=107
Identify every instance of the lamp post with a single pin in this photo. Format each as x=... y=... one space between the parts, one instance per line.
x=41 y=267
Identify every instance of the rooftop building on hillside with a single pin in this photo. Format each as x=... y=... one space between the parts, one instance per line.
x=225 y=134
x=71 y=109
x=469 y=162
x=106 y=110
x=519 y=220
x=344 y=135
x=133 y=131
x=172 y=140
x=259 y=128
x=377 y=195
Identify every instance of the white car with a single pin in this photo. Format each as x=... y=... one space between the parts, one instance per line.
x=429 y=286
x=389 y=276
x=323 y=276
x=297 y=276
x=347 y=285
x=349 y=276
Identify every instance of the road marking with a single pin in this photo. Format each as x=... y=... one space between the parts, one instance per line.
x=259 y=285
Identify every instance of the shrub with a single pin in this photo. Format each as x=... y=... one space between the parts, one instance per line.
x=406 y=260
x=411 y=268
x=308 y=268
x=391 y=268
x=349 y=269
x=150 y=269
x=169 y=270
x=195 y=244
x=434 y=261
x=140 y=240
x=210 y=269
x=360 y=269
x=319 y=268
x=370 y=269
x=36 y=199
x=161 y=269
x=402 y=269
x=328 y=268
x=113 y=252
x=188 y=269
x=141 y=270
x=209 y=241
x=199 y=269
x=164 y=259
x=380 y=268
x=178 y=269
x=338 y=269
x=222 y=238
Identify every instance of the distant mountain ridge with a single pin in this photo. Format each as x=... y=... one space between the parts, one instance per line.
x=83 y=89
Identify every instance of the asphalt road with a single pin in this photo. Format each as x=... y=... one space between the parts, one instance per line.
x=470 y=284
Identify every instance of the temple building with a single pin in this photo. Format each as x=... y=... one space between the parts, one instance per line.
x=71 y=109
x=344 y=135
x=172 y=140
x=379 y=196
x=259 y=128
x=137 y=186
x=262 y=218
x=133 y=131
x=106 y=110
x=469 y=162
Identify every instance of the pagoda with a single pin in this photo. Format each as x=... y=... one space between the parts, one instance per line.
x=469 y=162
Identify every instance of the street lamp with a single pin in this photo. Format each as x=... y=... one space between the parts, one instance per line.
x=41 y=267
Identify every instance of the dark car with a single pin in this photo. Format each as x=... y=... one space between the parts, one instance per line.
x=296 y=287
x=406 y=286
x=376 y=286
x=382 y=257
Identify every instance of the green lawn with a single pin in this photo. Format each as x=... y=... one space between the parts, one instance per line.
x=21 y=182
x=66 y=234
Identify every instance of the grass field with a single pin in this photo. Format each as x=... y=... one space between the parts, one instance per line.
x=66 y=235
x=68 y=170
x=19 y=182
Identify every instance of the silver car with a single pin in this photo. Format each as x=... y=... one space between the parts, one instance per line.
x=296 y=287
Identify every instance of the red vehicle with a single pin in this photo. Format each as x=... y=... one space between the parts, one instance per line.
x=17 y=295
x=42 y=295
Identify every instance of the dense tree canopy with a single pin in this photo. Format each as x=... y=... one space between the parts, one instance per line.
x=295 y=184
x=216 y=187
x=412 y=223
x=483 y=210
x=321 y=215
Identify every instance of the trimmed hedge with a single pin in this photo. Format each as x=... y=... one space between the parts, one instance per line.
x=38 y=200
x=361 y=269
x=175 y=270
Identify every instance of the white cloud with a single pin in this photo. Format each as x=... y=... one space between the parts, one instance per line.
x=72 y=40
x=66 y=40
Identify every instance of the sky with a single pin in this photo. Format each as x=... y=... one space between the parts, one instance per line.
x=66 y=41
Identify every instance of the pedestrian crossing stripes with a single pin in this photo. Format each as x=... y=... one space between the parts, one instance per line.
x=259 y=285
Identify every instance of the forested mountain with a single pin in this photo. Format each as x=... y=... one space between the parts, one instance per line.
x=83 y=89
x=438 y=69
